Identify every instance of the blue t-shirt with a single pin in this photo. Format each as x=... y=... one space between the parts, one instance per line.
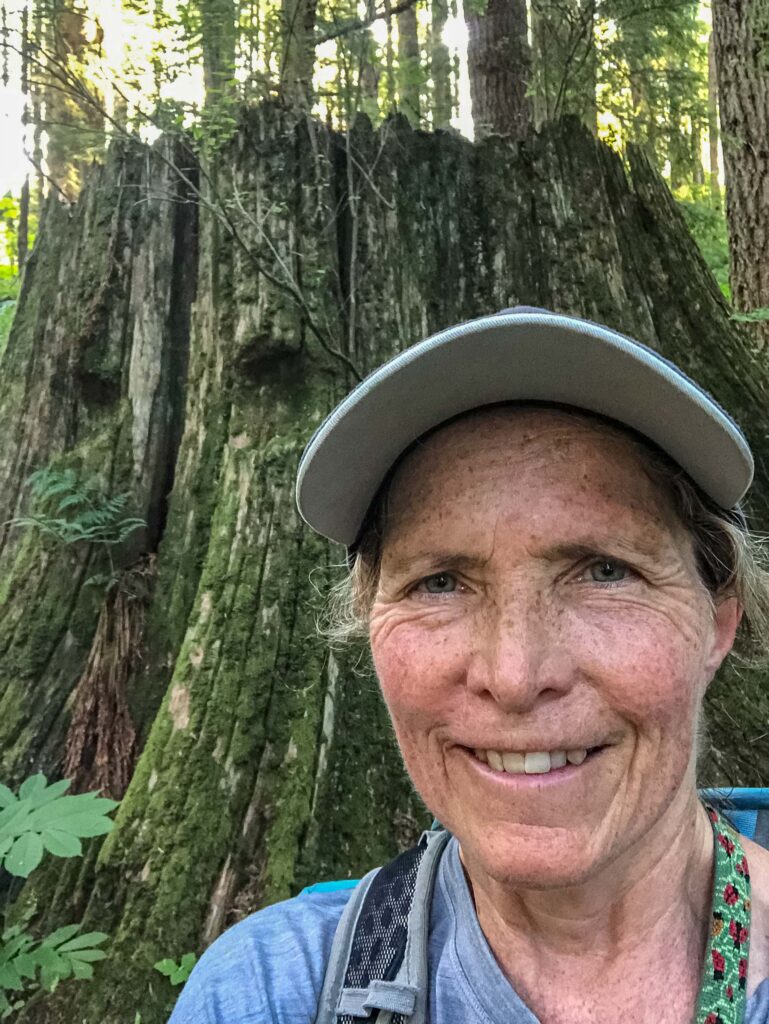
x=269 y=969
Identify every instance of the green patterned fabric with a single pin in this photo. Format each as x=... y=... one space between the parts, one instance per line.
x=723 y=992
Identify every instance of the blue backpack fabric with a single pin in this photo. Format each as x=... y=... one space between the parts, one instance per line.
x=377 y=970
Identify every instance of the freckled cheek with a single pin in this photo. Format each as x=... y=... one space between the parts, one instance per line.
x=651 y=677
x=419 y=674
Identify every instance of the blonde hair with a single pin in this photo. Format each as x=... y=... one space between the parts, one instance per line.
x=731 y=558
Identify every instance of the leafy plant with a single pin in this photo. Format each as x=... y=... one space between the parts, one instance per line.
x=177 y=974
x=42 y=818
x=27 y=963
x=70 y=510
x=707 y=224
x=7 y=310
x=753 y=316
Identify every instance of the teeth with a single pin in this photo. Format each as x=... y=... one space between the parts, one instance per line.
x=576 y=756
x=514 y=763
x=538 y=762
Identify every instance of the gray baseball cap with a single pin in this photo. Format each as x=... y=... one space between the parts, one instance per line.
x=520 y=354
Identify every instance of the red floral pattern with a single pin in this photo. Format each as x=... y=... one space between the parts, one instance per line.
x=722 y=995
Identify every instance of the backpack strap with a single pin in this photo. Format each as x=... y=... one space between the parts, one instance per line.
x=761 y=831
x=377 y=969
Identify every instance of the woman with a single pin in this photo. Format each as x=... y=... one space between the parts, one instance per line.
x=549 y=561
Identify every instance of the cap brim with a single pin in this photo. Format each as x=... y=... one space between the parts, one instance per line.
x=512 y=357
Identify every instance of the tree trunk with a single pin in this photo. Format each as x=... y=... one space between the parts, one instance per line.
x=218 y=19
x=441 y=67
x=369 y=69
x=390 y=61
x=698 y=171
x=499 y=63
x=298 y=55
x=714 y=175
x=22 y=229
x=270 y=762
x=74 y=107
x=409 y=66
x=588 y=12
x=741 y=33
x=540 y=66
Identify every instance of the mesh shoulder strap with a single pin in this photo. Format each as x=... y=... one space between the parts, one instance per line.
x=377 y=969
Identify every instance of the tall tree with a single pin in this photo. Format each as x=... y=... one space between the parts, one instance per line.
x=713 y=133
x=219 y=40
x=499 y=64
x=298 y=51
x=741 y=34
x=409 y=65
x=73 y=105
x=441 y=70
x=266 y=759
x=566 y=59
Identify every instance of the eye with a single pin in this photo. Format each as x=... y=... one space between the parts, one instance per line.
x=438 y=583
x=608 y=570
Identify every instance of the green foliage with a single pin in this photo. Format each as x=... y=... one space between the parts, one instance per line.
x=752 y=316
x=707 y=224
x=177 y=974
x=9 y=284
x=27 y=963
x=42 y=818
x=9 y=242
x=70 y=510
x=7 y=309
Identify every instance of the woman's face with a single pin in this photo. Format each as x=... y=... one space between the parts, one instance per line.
x=538 y=595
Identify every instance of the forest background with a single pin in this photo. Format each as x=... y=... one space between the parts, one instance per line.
x=230 y=211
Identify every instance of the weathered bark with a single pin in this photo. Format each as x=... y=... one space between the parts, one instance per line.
x=298 y=56
x=499 y=63
x=713 y=173
x=741 y=33
x=270 y=762
x=409 y=66
x=93 y=377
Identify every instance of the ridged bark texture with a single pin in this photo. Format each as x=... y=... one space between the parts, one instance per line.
x=92 y=379
x=741 y=34
x=270 y=762
x=499 y=63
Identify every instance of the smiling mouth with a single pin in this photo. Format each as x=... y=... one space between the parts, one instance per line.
x=539 y=762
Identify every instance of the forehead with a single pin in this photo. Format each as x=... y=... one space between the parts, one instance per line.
x=526 y=462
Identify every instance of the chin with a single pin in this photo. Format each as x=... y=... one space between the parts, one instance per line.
x=531 y=857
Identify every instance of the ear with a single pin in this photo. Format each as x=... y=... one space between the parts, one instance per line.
x=727 y=617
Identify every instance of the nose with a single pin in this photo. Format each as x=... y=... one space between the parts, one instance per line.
x=522 y=657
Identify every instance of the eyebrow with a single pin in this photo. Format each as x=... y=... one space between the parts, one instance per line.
x=431 y=559
x=568 y=551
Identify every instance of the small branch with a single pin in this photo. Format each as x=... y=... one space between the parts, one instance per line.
x=215 y=205
x=47 y=177
x=359 y=23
